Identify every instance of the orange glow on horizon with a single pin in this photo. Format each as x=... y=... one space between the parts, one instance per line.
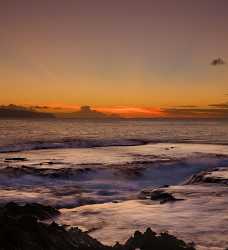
x=219 y=110
x=126 y=112
x=130 y=112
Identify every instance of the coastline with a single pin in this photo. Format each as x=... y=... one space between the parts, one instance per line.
x=120 y=186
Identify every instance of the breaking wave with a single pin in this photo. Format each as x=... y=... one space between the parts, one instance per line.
x=70 y=143
x=92 y=143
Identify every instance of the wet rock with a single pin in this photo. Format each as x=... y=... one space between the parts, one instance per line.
x=197 y=178
x=162 y=196
x=38 y=211
x=15 y=159
x=144 y=194
x=26 y=233
x=215 y=176
x=151 y=241
x=23 y=231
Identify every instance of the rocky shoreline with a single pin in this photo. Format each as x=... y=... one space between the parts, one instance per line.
x=109 y=202
x=33 y=226
x=23 y=227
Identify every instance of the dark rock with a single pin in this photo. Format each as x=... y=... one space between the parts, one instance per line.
x=22 y=231
x=165 y=186
x=15 y=159
x=206 y=177
x=26 y=233
x=41 y=212
x=144 y=194
x=162 y=196
x=151 y=241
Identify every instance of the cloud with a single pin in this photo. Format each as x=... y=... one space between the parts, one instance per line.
x=218 y=62
x=86 y=112
x=219 y=105
x=49 y=108
x=39 y=107
x=133 y=112
x=196 y=112
x=186 y=106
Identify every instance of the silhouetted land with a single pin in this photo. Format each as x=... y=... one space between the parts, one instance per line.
x=13 y=111
x=21 y=229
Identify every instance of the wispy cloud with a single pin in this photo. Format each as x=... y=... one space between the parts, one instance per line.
x=39 y=107
x=186 y=106
x=219 y=105
x=133 y=111
x=217 y=112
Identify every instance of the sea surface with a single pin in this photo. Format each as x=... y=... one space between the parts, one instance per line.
x=96 y=171
x=19 y=135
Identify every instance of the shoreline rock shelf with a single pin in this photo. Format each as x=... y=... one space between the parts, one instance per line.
x=21 y=229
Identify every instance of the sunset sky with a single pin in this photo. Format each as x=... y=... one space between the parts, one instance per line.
x=142 y=57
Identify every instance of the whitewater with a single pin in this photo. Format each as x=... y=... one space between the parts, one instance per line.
x=98 y=172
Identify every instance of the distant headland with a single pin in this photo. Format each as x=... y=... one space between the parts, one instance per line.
x=20 y=112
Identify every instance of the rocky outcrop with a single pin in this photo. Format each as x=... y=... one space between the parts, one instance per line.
x=215 y=176
x=26 y=233
x=21 y=230
x=151 y=241
x=160 y=194
x=35 y=210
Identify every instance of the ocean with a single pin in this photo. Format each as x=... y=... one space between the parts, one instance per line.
x=20 y=135
x=96 y=173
